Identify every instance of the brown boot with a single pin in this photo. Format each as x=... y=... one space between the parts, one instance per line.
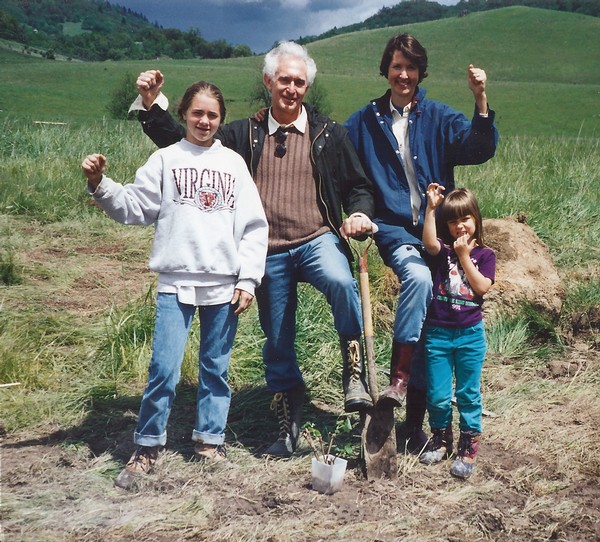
x=356 y=395
x=394 y=394
x=142 y=462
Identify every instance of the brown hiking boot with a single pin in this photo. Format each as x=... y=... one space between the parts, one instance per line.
x=215 y=453
x=356 y=394
x=142 y=461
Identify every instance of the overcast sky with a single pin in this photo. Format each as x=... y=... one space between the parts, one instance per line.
x=257 y=23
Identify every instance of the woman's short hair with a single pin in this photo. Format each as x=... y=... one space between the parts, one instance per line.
x=410 y=47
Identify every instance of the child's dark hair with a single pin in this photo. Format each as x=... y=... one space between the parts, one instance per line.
x=458 y=203
x=201 y=87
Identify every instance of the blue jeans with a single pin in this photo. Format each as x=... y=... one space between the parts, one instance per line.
x=218 y=325
x=323 y=264
x=415 y=292
x=459 y=352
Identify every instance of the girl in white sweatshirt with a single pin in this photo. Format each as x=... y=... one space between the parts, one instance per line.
x=209 y=251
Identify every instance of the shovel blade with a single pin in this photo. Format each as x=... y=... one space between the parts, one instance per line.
x=379 y=444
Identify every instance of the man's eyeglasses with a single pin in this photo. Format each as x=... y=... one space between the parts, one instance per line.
x=280 y=137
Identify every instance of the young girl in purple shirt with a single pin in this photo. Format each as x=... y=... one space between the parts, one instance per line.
x=463 y=270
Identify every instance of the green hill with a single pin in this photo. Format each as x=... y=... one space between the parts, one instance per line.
x=542 y=67
x=409 y=12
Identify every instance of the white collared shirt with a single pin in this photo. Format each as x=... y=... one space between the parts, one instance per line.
x=138 y=104
x=400 y=129
x=299 y=123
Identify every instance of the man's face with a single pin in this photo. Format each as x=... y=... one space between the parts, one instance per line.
x=403 y=77
x=288 y=89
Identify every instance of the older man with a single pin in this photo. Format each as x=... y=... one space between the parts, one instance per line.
x=307 y=173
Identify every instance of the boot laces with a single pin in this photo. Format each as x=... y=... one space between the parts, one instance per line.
x=142 y=460
x=354 y=360
x=281 y=405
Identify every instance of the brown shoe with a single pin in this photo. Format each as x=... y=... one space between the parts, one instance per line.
x=210 y=452
x=142 y=461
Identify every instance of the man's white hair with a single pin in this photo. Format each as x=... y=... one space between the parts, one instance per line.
x=293 y=50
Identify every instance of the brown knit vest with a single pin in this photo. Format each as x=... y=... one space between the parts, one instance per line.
x=289 y=193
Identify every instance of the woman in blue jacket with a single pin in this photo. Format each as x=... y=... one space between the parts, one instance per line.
x=405 y=142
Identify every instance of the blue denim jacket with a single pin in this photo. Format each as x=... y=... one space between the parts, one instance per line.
x=440 y=139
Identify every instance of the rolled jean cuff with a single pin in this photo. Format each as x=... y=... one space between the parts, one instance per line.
x=149 y=440
x=208 y=438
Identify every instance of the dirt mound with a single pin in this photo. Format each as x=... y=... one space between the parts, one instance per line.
x=524 y=270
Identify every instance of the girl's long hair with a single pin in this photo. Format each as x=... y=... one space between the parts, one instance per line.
x=460 y=202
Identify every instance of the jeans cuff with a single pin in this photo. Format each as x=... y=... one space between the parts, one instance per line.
x=208 y=438
x=149 y=440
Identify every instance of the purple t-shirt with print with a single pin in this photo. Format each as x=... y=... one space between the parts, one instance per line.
x=454 y=303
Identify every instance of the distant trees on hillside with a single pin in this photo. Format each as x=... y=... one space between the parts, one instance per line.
x=414 y=11
x=106 y=32
x=10 y=29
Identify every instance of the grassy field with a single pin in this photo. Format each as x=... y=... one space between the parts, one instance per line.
x=542 y=67
x=77 y=309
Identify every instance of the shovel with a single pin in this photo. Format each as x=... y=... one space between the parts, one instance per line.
x=378 y=437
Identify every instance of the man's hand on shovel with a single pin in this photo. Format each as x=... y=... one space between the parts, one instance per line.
x=358 y=225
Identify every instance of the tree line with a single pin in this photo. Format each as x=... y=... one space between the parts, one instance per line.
x=99 y=30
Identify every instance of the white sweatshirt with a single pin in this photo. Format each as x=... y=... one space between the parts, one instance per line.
x=210 y=226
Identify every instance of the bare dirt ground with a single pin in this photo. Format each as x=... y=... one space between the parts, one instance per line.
x=537 y=477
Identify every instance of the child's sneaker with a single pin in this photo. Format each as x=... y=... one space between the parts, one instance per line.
x=468 y=446
x=210 y=452
x=439 y=446
x=141 y=462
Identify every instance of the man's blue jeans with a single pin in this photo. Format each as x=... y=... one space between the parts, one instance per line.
x=218 y=325
x=459 y=352
x=323 y=264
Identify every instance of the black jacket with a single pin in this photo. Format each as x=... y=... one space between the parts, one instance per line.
x=341 y=181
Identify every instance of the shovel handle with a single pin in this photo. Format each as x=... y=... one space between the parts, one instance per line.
x=367 y=314
x=365 y=299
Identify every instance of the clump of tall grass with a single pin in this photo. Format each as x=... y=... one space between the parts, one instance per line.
x=507 y=336
x=527 y=333
x=125 y=349
x=11 y=272
x=48 y=184
x=581 y=310
x=583 y=296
